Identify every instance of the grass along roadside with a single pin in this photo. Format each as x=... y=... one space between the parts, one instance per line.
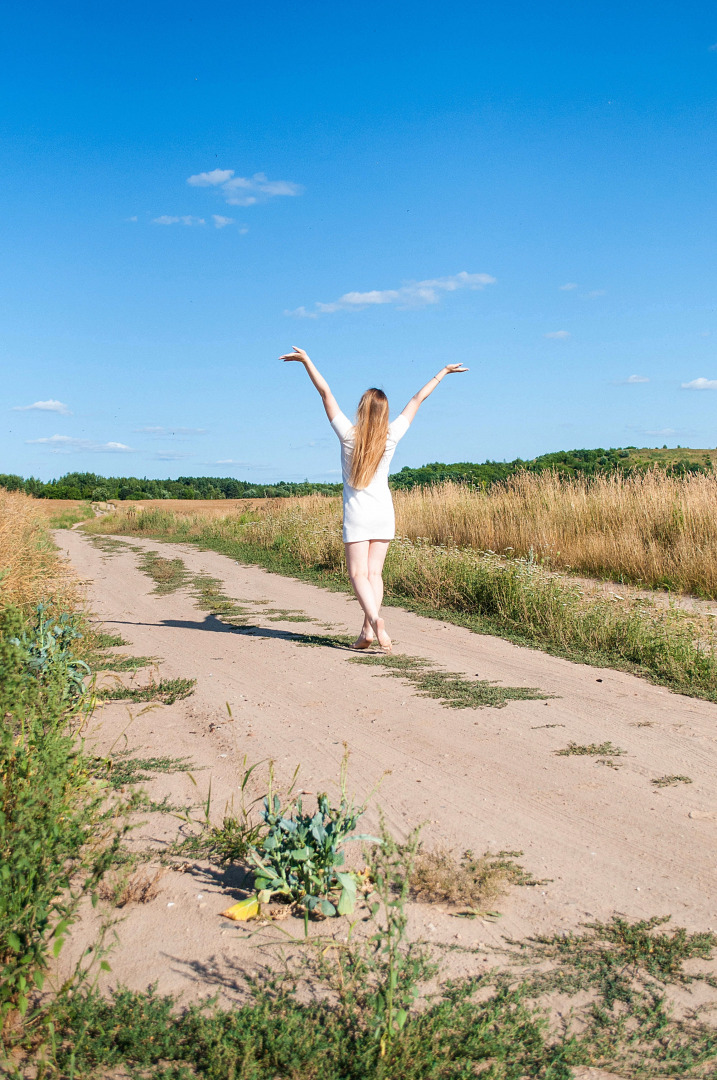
x=513 y=598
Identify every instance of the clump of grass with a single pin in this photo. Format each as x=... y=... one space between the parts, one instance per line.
x=103 y=640
x=285 y=615
x=111 y=545
x=168 y=575
x=671 y=781
x=454 y=691
x=166 y=691
x=126 y=887
x=123 y=769
x=121 y=663
x=439 y=877
x=591 y=749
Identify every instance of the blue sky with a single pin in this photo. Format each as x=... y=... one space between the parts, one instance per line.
x=528 y=189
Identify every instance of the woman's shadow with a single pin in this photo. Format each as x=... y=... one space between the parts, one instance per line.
x=213 y=623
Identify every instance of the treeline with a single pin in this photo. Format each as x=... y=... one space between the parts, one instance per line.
x=568 y=462
x=110 y=488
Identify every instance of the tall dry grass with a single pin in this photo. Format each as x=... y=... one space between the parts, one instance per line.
x=649 y=529
x=30 y=567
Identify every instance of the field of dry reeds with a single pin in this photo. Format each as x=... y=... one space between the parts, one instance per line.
x=651 y=529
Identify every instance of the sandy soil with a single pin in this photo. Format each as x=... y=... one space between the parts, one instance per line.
x=607 y=839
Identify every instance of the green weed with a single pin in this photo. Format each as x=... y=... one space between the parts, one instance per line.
x=453 y=691
x=591 y=749
x=671 y=781
x=167 y=691
x=122 y=769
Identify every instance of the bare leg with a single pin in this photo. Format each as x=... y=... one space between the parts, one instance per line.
x=377 y=550
x=357 y=563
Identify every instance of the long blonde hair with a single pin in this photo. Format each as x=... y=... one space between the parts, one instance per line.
x=370 y=434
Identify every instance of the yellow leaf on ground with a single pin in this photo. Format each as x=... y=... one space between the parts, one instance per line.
x=245 y=909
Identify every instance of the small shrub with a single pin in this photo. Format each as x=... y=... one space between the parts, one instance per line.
x=438 y=876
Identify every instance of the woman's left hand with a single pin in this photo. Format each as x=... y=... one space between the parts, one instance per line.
x=297 y=354
x=453 y=369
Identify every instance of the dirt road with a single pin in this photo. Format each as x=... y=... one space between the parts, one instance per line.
x=608 y=839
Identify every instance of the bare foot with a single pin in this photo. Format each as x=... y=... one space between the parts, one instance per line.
x=362 y=642
x=383 y=638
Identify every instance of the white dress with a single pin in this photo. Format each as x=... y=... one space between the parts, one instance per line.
x=368 y=512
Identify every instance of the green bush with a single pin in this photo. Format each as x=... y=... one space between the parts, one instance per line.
x=58 y=834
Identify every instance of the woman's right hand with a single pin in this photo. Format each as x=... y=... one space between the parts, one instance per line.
x=297 y=354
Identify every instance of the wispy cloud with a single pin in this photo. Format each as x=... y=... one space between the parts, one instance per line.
x=244 y=190
x=65 y=444
x=568 y=286
x=700 y=384
x=183 y=219
x=559 y=334
x=596 y=292
x=632 y=379
x=222 y=222
x=411 y=294
x=154 y=429
x=712 y=48
x=170 y=455
x=45 y=406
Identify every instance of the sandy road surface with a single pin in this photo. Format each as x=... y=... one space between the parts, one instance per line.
x=482 y=779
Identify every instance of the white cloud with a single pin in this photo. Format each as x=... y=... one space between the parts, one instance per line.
x=45 y=406
x=183 y=219
x=558 y=334
x=634 y=379
x=412 y=294
x=169 y=455
x=133 y=218
x=211 y=179
x=700 y=384
x=244 y=190
x=243 y=230
x=65 y=444
x=230 y=461
x=596 y=292
x=568 y=286
x=712 y=48
x=222 y=222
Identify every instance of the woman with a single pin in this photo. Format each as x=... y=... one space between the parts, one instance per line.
x=366 y=451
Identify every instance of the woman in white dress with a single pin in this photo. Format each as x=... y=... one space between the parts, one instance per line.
x=367 y=447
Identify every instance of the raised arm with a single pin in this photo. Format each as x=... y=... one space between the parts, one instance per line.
x=330 y=404
x=417 y=400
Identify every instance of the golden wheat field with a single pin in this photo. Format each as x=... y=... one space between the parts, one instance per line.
x=30 y=570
